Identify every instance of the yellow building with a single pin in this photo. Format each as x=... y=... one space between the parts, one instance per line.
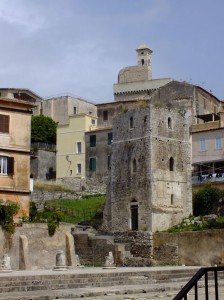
x=15 y=132
x=70 y=159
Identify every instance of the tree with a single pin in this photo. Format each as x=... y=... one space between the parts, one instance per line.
x=43 y=129
x=206 y=200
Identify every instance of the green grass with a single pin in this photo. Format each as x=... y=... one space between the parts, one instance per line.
x=51 y=186
x=74 y=210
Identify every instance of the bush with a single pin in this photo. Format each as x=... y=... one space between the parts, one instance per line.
x=206 y=201
x=7 y=211
x=53 y=222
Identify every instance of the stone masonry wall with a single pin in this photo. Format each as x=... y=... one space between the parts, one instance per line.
x=41 y=249
x=141 y=243
x=162 y=194
x=197 y=248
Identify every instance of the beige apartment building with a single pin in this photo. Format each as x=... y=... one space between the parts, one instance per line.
x=15 y=129
x=71 y=149
x=61 y=108
x=207 y=150
x=25 y=95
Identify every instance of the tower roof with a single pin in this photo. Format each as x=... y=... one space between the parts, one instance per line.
x=143 y=46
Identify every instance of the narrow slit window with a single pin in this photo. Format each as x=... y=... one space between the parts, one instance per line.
x=171 y=164
x=134 y=166
x=169 y=123
x=131 y=123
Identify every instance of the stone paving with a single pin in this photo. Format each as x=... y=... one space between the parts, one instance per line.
x=156 y=295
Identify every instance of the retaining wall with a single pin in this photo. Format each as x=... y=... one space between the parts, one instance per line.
x=196 y=248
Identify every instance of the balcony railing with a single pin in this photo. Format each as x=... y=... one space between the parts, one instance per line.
x=209 y=287
x=207 y=178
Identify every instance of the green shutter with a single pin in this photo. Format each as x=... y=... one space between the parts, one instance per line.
x=110 y=137
x=92 y=164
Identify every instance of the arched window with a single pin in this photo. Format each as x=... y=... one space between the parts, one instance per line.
x=169 y=123
x=131 y=122
x=171 y=164
x=134 y=166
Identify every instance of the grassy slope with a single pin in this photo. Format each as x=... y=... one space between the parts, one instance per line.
x=76 y=211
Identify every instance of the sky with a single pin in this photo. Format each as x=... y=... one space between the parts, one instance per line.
x=77 y=47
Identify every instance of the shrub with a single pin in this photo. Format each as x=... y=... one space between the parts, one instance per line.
x=53 y=221
x=7 y=211
x=206 y=201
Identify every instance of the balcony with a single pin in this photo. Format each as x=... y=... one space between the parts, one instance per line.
x=206 y=178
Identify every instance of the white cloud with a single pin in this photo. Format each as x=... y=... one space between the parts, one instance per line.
x=22 y=14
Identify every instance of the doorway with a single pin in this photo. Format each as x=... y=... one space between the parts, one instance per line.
x=134 y=216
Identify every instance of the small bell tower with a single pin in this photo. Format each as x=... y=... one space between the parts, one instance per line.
x=144 y=58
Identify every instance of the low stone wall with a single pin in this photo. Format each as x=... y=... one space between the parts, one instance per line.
x=137 y=262
x=141 y=242
x=40 y=197
x=30 y=247
x=166 y=254
x=196 y=248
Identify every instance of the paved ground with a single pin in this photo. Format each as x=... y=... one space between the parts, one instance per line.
x=155 y=296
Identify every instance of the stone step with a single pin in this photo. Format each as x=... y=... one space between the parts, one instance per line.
x=46 y=282
x=95 y=292
x=77 y=282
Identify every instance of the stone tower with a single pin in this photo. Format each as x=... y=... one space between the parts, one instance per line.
x=144 y=58
x=150 y=176
x=135 y=82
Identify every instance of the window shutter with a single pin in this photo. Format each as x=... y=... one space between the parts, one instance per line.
x=4 y=123
x=10 y=166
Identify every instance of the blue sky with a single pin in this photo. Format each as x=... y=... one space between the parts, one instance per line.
x=78 y=46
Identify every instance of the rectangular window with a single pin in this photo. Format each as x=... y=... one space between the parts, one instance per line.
x=4 y=123
x=92 y=140
x=6 y=165
x=79 y=169
x=109 y=138
x=105 y=115
x=93 y=122
x=74 y=110
x=79 y=147
x=202 y=144
x=218 y=142
x=92 y=164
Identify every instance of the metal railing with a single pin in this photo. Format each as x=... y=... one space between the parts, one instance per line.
x=206 y=179
x=193 y=283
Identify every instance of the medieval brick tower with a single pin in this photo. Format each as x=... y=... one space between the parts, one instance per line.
x=150 y=178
